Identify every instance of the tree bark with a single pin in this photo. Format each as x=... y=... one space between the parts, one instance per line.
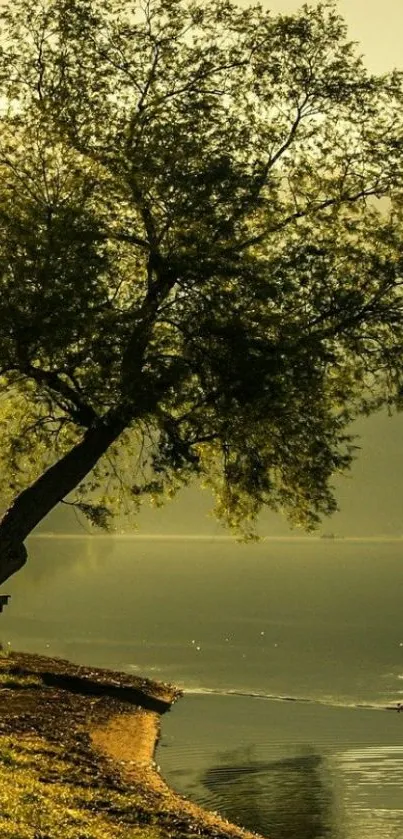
x=35 y=502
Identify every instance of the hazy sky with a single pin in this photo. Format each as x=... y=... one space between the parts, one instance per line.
x=371 y=498
x=376 y=24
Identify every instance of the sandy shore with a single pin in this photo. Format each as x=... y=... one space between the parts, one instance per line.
x=130 y=741
x=110 y=723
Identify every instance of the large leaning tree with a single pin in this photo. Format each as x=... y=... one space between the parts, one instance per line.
x=200 y=256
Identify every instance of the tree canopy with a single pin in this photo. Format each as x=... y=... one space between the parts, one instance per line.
x=199 y=276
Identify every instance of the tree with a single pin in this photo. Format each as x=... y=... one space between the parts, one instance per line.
x=197 y=275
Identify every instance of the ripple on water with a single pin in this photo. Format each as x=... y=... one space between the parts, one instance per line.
x=341 y=768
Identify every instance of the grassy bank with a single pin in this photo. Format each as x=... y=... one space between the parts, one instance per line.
x=76 y=757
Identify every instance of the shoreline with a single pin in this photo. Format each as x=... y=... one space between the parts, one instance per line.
x=101 y=728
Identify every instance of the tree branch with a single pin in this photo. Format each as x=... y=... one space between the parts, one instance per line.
x=82 y=412
x=322 y=205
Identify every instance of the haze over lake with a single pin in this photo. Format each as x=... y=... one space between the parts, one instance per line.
x=289 y=651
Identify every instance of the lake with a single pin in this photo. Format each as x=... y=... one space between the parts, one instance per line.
x=289 y=651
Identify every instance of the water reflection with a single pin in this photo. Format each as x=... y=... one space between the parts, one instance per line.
x=290 y=798
x=291 y=626
x=51 y=560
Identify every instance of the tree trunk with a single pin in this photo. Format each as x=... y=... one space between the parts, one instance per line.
x=35 y=502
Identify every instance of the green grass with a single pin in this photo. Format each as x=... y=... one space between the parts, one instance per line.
x=55 y=785
x=39 y=801
x=10 y=681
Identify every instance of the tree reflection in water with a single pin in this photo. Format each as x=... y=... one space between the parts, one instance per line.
x=289 y=798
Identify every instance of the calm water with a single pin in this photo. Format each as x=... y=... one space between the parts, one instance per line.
x=289 y=653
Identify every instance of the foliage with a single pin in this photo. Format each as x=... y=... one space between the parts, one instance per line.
x=191 y=237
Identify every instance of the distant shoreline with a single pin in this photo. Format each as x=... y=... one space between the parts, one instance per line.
x=177 y=537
